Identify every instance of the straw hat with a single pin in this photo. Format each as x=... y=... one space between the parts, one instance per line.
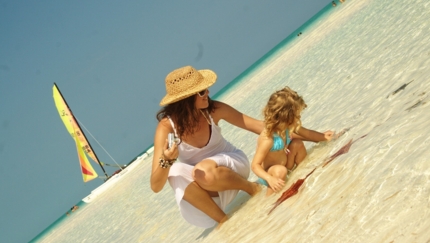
x=185 y=82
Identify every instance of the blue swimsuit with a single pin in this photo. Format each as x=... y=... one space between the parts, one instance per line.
x=278 y=144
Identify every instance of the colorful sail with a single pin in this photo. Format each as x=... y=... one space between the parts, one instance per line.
x=88 y=172
x=83 y=146
x=71 y=124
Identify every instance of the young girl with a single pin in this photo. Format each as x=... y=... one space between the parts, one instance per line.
x=280 y=145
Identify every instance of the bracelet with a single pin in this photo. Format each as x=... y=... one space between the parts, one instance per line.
x=164 y=163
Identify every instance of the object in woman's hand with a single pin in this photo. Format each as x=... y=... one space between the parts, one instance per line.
x=172 y=139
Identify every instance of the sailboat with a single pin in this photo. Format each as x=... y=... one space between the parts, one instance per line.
x=84 y=149
x=82 y=145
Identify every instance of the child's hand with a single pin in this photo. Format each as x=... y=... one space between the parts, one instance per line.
x=276 y=183
x=328 y=135
x=337 y=135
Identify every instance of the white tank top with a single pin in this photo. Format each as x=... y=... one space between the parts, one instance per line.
x=191 y=155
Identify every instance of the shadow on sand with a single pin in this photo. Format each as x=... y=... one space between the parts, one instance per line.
x=234 y=206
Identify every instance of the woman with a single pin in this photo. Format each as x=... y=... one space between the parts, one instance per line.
x=210 y=171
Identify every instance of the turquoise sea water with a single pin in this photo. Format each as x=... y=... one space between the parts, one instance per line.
x=289 y=40
x=348 y=64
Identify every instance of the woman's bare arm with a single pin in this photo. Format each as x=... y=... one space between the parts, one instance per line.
x=159 y=175
x=232 y=116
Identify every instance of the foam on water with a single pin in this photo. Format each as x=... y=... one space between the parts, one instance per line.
x=347 y=67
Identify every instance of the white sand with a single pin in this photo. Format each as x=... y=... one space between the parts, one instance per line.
x=346 y=70
x=379 y=191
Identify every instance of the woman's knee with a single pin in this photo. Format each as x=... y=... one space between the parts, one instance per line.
x=203 y=173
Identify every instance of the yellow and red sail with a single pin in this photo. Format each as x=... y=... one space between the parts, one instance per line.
x=75 y=131
x=88 y=172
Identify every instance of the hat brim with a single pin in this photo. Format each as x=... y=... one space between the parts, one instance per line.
x=209 y=78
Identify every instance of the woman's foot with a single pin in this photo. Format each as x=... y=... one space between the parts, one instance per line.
x=256 y=188
x=221 y=222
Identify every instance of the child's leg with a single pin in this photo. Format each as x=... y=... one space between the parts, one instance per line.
x=297 y=153
x=277 y=171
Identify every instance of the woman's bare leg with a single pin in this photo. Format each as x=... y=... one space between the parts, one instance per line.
x=297 y=153
x=209 y=180
x=212 y=177
x=202 y=200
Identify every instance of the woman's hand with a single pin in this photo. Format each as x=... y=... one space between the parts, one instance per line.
x=276 y=183
x=170 y=153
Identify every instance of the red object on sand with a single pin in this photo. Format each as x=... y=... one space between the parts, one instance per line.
x=294 y=189
x=343 y=150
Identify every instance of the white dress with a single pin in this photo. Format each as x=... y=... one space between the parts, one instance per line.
x=217 y=149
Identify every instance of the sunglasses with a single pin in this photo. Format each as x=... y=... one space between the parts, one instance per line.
x=202 y=93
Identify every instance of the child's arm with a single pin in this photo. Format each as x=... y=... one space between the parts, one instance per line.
x=313 y=136
x=263 y=147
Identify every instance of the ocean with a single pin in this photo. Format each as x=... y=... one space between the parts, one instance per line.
x=362 y=66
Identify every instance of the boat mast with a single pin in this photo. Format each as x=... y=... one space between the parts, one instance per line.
x=73 y=117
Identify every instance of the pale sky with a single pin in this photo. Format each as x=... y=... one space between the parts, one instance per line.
x=109 y=58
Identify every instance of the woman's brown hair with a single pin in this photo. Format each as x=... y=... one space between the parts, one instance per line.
x=184 y=114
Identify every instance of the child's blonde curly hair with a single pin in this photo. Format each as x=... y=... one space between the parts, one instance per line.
x=283 y=112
